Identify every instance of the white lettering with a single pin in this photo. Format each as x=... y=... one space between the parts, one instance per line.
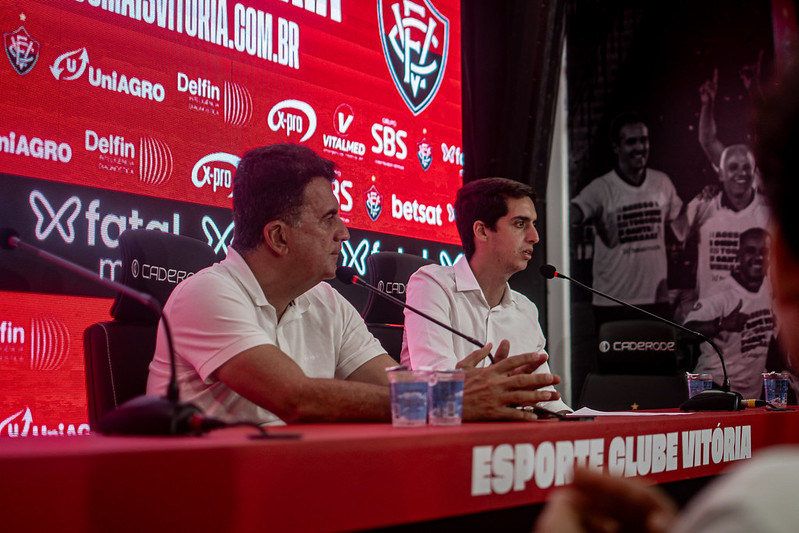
x=342 y=192
x=11 y=334
x=110 y=145
x=343 y=145
x=281 y=119
x=416 y=212
x=389 y=142
x=45 y=149
x=481 y=470
x=506 y=467
x=119 y=83
x=199 y=87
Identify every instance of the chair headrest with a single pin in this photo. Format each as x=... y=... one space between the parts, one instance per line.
x=637 y=347
x=389 y=272
x=154 y=262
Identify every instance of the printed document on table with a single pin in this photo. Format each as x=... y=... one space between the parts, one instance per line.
x=587 y=411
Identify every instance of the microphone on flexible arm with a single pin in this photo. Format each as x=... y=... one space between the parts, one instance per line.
x=710 y=400
x=146 y=414
x=350 y=276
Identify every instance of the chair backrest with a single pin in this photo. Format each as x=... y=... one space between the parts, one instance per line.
x=389 y=272
x=117 y=353
x=621 y=392
x=644 y=347
x=155 y=262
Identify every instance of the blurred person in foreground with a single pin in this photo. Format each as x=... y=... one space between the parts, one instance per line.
x=757 y=495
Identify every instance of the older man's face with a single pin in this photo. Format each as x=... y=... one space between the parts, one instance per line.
x=737 y=173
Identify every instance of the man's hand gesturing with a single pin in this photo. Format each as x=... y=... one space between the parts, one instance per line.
x=493 y=392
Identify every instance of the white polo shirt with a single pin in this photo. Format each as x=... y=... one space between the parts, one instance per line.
x=222 y=311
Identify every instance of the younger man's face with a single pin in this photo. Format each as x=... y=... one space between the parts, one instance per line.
x=753 y=257
x=511 y=243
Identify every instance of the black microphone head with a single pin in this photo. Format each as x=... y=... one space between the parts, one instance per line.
x=5 y=238
x=346 y=275
x=548 y=271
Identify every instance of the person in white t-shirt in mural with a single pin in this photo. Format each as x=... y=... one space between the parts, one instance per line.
x=758 y=494
x=738 y=316
x=719 y=219
x=630 y=208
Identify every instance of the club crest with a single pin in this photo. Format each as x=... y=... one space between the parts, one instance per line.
x=415 y=39
x=373 y=201
x=22 y=50
x=424 y=151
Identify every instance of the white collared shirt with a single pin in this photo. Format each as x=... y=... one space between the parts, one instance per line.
x=222 y=311
x=453 y=296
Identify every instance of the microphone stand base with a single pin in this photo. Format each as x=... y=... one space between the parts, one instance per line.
x=150 y=415
x=714 y=400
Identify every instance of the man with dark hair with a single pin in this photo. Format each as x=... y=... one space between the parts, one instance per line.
x=287 y=169
x=259 y=338
x=485 y=200
x=629 y=208
x=496 y=220
x=759 y=495
x=738 y=317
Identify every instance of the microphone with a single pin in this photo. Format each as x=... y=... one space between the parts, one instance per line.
x=145 y=414
x=710 y=400
x=350 y=276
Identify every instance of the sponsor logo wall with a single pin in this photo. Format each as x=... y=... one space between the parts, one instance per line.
x=124 y=115
x=41 y=363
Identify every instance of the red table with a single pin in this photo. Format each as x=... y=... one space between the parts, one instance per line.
x=351 y=476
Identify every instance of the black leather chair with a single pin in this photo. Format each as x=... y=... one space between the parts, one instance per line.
x=626 y=392
x=646 y=347
x=118 y=352
x=641 y=365
x=389 y=272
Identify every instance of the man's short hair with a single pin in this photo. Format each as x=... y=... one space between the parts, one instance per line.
x=621 y=120
x=758 y=233
x=735 y=149
x=777 y=149
x=269 y=184
x=486 y=200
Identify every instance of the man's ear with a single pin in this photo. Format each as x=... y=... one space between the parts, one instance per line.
x=276 y=237
x=479 y=230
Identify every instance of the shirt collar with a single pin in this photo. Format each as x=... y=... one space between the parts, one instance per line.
x=465 y=281
x=240 y=271
x=726 y=204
